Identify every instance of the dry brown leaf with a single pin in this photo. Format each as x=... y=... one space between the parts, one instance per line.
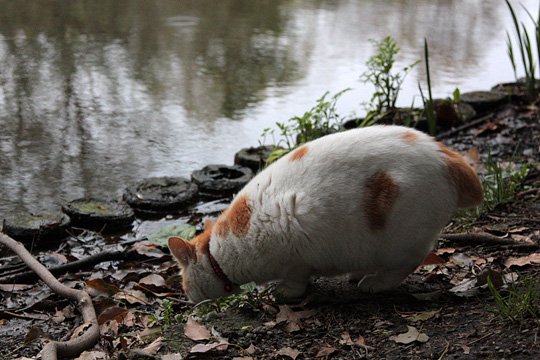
x=251 y=349
x=153 y=347
x=432 y=259
x=14 y=287
x=410 y=336
x=204 y=348
x=445 y=250
x=146 y=248
x=93 y=355
x=132 y=297
x=172 y=357
x=288 y=351
x=523 y=260
x=196 y=331
x=110 y=328
x=420 y=316
x=99 y=287
x=325 y=351
x=112 y=313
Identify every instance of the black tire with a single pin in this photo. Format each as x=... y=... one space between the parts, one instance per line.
x=37 y=228
x=161 y=196
x=96 y=214
x=484 y=101
x=253 y=157
x=217 y=181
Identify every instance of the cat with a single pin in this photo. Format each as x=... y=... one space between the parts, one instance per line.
x=366 y=202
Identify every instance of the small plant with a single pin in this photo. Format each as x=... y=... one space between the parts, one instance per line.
x=379 y=74
x=429 y=108
x=320 y=120
x=250 y=298
x=519 y=301
x=525 y=48
x=501 y=182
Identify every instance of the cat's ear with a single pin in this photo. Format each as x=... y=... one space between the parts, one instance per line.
x=182 y=250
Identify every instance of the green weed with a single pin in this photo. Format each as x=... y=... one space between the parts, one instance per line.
x=519 y=301
x=429 y=108
x=387 y=83
x=501 y=182
x=322 y=119
x=250 y=298
x=525 y=48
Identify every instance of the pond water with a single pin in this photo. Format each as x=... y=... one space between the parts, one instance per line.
x=95 y=95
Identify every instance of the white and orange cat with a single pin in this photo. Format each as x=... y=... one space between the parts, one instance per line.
x=366 y=202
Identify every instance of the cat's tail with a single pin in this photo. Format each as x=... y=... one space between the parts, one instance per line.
x=468 y=185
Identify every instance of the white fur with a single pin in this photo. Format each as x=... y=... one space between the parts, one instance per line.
x=309 y=217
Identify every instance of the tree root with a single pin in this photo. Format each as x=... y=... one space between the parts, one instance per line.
x=70 y=348
x=483 y=239
x=15 y=277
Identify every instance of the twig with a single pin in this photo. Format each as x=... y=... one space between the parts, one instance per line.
x=77 y=265
x=466 y=126
x=478 y=238
x=70 y=348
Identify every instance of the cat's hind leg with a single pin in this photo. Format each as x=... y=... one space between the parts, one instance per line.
x=293 y=288
x=382 y=280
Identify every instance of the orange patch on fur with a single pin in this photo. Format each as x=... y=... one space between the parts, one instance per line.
x=464 y=178
x=381 y=194
x=299 y=153
x=238 y=216
x=409 y=136
x=222 y=227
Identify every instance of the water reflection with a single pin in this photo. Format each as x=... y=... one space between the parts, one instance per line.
x=97 y=94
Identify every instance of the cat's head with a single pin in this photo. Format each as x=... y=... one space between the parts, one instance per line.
x=200 y=278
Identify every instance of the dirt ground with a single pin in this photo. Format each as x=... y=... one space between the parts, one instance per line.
x=442 y=311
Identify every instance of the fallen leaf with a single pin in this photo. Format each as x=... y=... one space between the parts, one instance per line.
x=325 y=351
x=172 y=357
x=445 y=250
x=290 y=352
x=204 y=348
x=58 y=317
x=14 y=287
x=462 y=260
x=243 y=358
x=466 y=349
x=153 y=347
x=161 y=238
x=196 y=331
x=93 y=355
x=153 y=279
x=410 y=336
x=148 y=249
x=346 y=339
x=523 y=260
x=112 y=313
x=132 y=297
x=99 y=287
x=432 y=259
x=465 y=287
x=35 y=333
x=251 y=349
x=420 y=316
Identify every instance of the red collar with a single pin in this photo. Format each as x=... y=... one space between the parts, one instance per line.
x=228 y=285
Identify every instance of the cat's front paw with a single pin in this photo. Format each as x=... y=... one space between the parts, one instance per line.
x=290 y=292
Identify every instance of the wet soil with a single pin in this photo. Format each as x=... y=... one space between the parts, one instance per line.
x=446 y=300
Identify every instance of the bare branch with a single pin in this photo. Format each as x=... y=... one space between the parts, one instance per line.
x=75 y=346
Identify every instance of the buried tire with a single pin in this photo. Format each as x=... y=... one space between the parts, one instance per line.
x=253 y=157
x=37 y=228
x=216 y=181
x=161 y=195
x=99 y=214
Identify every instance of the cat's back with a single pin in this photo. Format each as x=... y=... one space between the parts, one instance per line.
x=339 y=174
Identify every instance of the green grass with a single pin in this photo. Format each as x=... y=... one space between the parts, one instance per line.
x=386 y=82
x=519 y=301
x=322 y=119
x=525 y=47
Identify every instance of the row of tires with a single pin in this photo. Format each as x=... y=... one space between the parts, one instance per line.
x=151 y=198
